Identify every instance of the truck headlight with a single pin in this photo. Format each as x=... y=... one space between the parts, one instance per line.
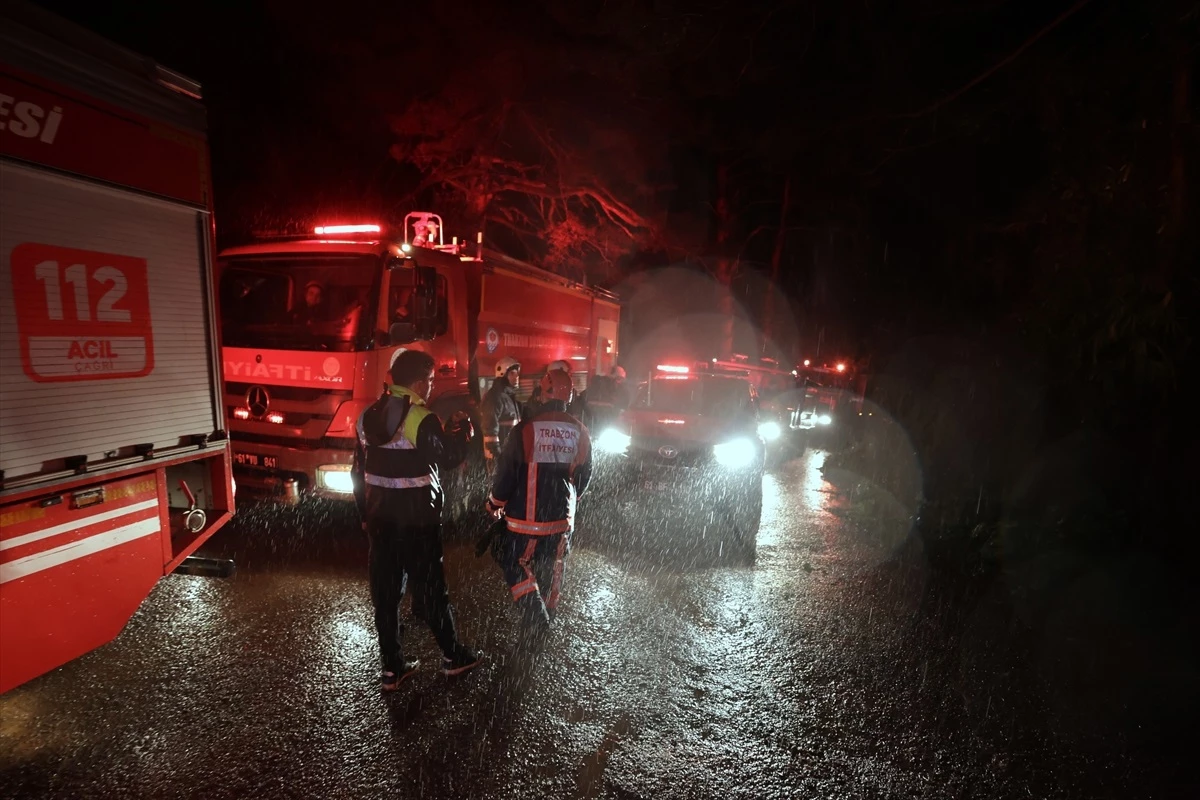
x=824 y=419
x=613 y=441
x=735 y=454
x=335 y=478
x=769 y=430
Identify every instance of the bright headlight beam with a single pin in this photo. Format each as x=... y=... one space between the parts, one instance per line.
x=613 y=441
x=769 y=430
x=735 y=454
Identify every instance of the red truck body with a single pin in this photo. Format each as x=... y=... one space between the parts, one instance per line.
x=296 y=382
x=109 y=381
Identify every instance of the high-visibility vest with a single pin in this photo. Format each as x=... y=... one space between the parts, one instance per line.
x=396 y=464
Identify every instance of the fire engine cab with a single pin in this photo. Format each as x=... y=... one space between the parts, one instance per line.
x=311 y=324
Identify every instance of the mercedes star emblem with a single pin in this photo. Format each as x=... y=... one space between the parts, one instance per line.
x=257 y=400
x=667 y=452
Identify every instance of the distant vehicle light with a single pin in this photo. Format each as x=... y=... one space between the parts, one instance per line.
x=275 y=417
x=675 y=368
x=335 y=478
x=242 y=413
x=770 y=430
x=841 y=367
x=735 y=454
x=807 y=363
x=613 y=441
x=325 y=230
x=824 y=419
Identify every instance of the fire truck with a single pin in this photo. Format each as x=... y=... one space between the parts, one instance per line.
x=311 y=324
x=114 y=464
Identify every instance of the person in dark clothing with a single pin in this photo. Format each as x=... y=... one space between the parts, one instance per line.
x=500 y=408
x=544 y=468
x=402 y=448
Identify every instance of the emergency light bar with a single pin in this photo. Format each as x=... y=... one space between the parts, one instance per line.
x=675 y=368
x=326 y=230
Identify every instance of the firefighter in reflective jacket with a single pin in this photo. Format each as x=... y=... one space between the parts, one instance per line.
x=401 y=449
x=501 y=411
x=544 y=468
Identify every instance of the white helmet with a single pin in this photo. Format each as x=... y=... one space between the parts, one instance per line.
x=560 y=364
x=618 y=373
x=505 y=364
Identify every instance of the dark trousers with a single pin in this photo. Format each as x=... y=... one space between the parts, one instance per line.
x=533 y=568
x=405 y=557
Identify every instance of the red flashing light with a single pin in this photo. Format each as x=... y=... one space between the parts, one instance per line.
x=841 y=367
x=242 y=413
x=275 y=417
x=326 y=230
x=675 y=368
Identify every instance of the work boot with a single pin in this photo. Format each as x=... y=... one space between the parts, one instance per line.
x=463 y=659
x=395 y=673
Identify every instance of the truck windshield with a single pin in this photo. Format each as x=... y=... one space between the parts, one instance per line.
x=703 y=397
x=299 y=303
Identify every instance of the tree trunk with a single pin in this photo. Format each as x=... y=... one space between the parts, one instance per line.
x=770 y=297
x=726 y=263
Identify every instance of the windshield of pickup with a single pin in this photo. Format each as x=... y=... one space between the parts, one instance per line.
x=298 y=303
x=694 y=396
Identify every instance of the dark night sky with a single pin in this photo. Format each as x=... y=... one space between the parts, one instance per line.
x=859 y=104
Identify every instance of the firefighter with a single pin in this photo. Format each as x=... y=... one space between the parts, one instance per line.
x=501 y=411
x=535 y=399
x=545 y=466
x=401 y=450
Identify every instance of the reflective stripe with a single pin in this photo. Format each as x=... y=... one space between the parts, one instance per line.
x=497 y=503
x=398 y=483
x=491 y=438
x=528 y=586
x=600 y=403
x=538 y=528
x=508 y=423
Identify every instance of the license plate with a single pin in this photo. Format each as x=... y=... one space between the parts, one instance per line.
x=254 y=460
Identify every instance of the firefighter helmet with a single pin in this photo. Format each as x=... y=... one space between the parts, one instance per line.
x=560 y=364
x=618 y=373
x=505 y=364
x=556 y=385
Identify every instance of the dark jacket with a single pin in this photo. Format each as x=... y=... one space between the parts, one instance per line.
x=500 y=412
x=397 y=461
x=557 y=449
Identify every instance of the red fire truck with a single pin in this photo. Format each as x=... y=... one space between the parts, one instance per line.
x=114 y=465
x=312 y=323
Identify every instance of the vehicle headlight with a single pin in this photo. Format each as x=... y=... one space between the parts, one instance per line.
x=824 y=419
x=613 y=441
x=335 y=478
x=769 y=430
x=736 y=454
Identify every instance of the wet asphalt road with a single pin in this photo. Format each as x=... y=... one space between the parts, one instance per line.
x=802 y=676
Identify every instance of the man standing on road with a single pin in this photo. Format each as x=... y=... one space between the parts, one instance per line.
x=401 y=449
x=545 y=466
x=500 y=411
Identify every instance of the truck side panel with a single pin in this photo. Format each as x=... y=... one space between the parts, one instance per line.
x=535 y=323
x=104 y=356
x=56 y=561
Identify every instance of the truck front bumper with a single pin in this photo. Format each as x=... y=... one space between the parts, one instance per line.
x=266 y=468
